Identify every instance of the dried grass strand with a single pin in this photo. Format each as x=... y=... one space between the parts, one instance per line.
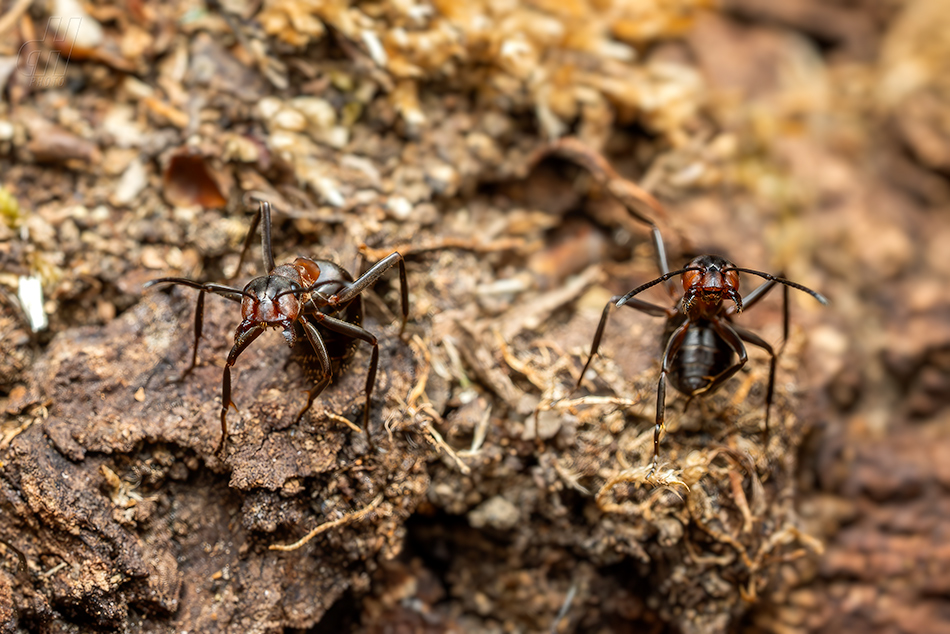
x=322 y=528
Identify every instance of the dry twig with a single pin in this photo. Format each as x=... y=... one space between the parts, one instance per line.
x=448 y=242
x=343 y=420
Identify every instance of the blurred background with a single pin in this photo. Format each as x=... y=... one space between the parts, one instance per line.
x=808 y=137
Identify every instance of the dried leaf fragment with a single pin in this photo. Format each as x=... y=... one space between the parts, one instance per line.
x=188 y=181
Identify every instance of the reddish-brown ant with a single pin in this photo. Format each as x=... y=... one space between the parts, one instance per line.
x=316 y=303
x=701 y=341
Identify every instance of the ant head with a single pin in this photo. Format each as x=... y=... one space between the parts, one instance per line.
x=271 y=301
x=709 y=279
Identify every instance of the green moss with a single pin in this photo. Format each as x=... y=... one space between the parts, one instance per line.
x=10 y=210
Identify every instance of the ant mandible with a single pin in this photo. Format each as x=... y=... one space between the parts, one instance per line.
x=701 y=342
x=315 y=303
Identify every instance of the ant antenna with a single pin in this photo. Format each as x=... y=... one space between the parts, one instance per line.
x=821 y=298
x=267 y=250
x=662 y=278
x=217 y=289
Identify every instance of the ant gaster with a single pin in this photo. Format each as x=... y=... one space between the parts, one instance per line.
x=701 y=342
x=315 y=303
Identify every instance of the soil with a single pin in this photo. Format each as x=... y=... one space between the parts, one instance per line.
x=496 y=147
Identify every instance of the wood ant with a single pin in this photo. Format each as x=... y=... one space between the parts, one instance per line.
x=701 y=342
x=315 y=303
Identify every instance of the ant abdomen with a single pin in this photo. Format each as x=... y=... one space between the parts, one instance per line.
x=701 y=356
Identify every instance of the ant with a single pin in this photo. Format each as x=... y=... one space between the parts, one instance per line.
x=315 y=303
x=701 y=341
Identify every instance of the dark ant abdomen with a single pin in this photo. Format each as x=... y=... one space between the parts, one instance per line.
x=702 y=356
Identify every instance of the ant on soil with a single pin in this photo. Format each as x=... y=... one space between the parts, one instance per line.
x=315 y=303
x=701 y=340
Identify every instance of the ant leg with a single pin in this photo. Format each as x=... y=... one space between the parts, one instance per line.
x=267 y=249
x=672 y=347
x=784 y=317
x=227 y=292
x=753 y=297
x=356 y=332
x=199 y=321
x=756 y=340
x=368 y=278
x=596 y=343
x=757 y=294
x=241 y=341
x=650 y=309
x=661 y=255
x=323 y=358
x=226 y=402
